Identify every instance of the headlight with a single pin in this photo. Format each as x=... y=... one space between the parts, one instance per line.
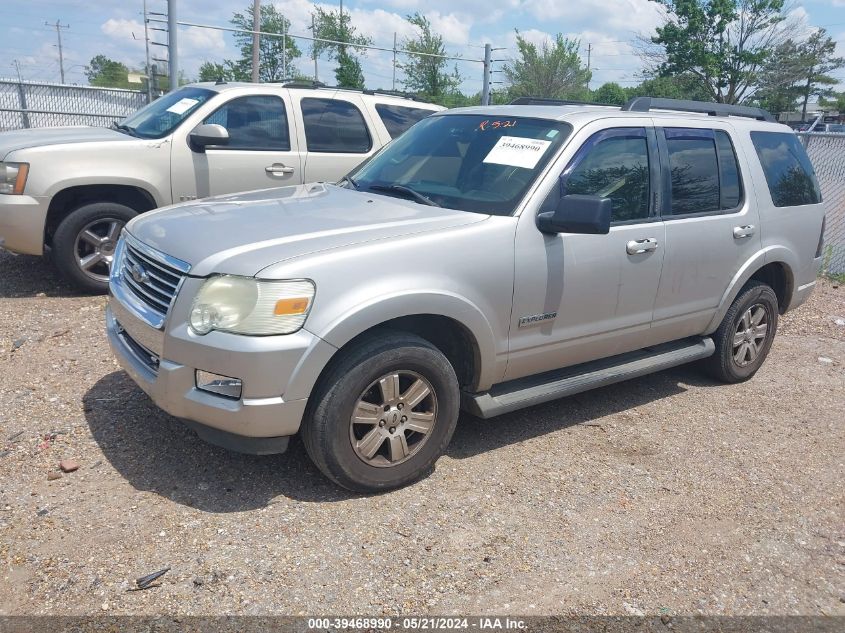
x=244 y=305
x=13 y=177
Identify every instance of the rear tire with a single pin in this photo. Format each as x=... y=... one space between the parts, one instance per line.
x=745 y=335
x=83 y=245
x=383 y=414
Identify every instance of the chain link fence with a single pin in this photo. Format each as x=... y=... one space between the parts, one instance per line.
x=827 y=153
x=25 y=104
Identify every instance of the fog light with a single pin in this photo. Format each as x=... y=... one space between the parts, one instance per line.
x=221 y=385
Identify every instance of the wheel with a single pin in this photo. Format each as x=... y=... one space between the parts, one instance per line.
x=384 y=413
x=745 y=335
x=84 y=243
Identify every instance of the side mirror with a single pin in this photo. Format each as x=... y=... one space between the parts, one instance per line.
x=208 y=134
x=577 y=214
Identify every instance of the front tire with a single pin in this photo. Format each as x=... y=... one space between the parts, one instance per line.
x=84 y=243
x=745 y=335
x=383 y=414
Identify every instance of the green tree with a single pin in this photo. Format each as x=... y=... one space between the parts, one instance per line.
x=426 y=74
x=778 y=89
x=227 y=71
x=553 y=70
x=107 y=73
x=338 y=27
x=835 y=101
x=818 y=54
x=275 y=54
x=610 y=93
x=722 y=43
x=683 y=86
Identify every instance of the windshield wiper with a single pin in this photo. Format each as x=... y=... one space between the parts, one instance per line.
x=416 y=195
x=351 y=181
x=122 y=127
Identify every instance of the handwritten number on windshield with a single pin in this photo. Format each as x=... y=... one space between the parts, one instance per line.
x=495 y=125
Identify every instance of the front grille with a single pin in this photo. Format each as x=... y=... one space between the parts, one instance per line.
x=149 y=358
x=149 y=278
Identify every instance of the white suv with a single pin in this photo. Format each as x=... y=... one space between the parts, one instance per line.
x=71 y=190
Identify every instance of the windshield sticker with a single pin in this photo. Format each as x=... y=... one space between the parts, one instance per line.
x=495 y=125
x=182 y=106
x=517 y=152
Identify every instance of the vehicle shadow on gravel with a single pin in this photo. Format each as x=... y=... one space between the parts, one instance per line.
x=27 y=276
x=474 y=435
x=157 y=453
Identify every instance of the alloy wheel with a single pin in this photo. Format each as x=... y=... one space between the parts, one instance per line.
x=750 y=335
x=95 y=245
x=393 y=418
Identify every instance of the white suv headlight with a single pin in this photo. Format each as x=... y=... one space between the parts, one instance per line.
x=255 y=307
x=13 y=177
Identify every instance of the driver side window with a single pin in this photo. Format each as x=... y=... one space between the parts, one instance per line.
x=613 y=164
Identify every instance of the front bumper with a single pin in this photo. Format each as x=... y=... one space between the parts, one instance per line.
x=259 y=425
x=22 y=220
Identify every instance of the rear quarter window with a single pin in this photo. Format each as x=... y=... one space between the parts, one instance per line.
x=789 y=173
x=397 y=119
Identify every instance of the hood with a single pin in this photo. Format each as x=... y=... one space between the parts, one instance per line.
x=243 y=233
x=38 y=137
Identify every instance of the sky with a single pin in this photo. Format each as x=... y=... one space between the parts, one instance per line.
x=115 y=28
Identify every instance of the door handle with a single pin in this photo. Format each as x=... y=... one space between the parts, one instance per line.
x=278 y=168
x=741 y=232
x=638 y=247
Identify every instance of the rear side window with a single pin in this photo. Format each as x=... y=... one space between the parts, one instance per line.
x=789 y=174
x=335 y=126
x=703 y=170
x=730 y=185
x=257 y=122
x=397 y=119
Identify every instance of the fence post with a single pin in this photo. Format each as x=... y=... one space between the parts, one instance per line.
x=24 y=107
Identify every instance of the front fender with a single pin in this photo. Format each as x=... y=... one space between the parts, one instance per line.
x=768 y=255
x=364 y=316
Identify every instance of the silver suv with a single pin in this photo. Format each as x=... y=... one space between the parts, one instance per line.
x=71 y=190
x=489 y=259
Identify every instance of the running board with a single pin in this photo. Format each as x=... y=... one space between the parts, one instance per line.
x=525 y=392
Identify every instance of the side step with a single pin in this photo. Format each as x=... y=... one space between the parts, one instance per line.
x=525 y=392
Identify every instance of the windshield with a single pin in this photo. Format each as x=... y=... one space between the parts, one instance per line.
x=164 y=115
x=468 y=162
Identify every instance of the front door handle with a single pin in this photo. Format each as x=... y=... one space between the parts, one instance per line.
x=278 y=168
x=741 y=232
x=638 y=247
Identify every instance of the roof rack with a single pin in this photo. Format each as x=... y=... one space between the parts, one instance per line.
x=312 y=84
x=545 y=101
x=646 y=104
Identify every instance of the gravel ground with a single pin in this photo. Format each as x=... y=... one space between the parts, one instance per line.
x=668 y=494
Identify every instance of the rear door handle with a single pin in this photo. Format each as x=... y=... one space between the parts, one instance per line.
x=278 y=168
x=638 y=247
x=741 y=232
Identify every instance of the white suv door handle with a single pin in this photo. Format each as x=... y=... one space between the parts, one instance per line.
x=741 y=232
x=638 y=247
x=278 y=168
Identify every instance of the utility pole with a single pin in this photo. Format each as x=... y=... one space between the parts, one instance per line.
x=172 y=48
x=256 y=38
x=59 y=26
x=394 y=60
x=589 y=56
x=314 y=47
x=488 y=62
x=147 y=45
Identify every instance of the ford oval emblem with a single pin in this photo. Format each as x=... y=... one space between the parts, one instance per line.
x=139 y=273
